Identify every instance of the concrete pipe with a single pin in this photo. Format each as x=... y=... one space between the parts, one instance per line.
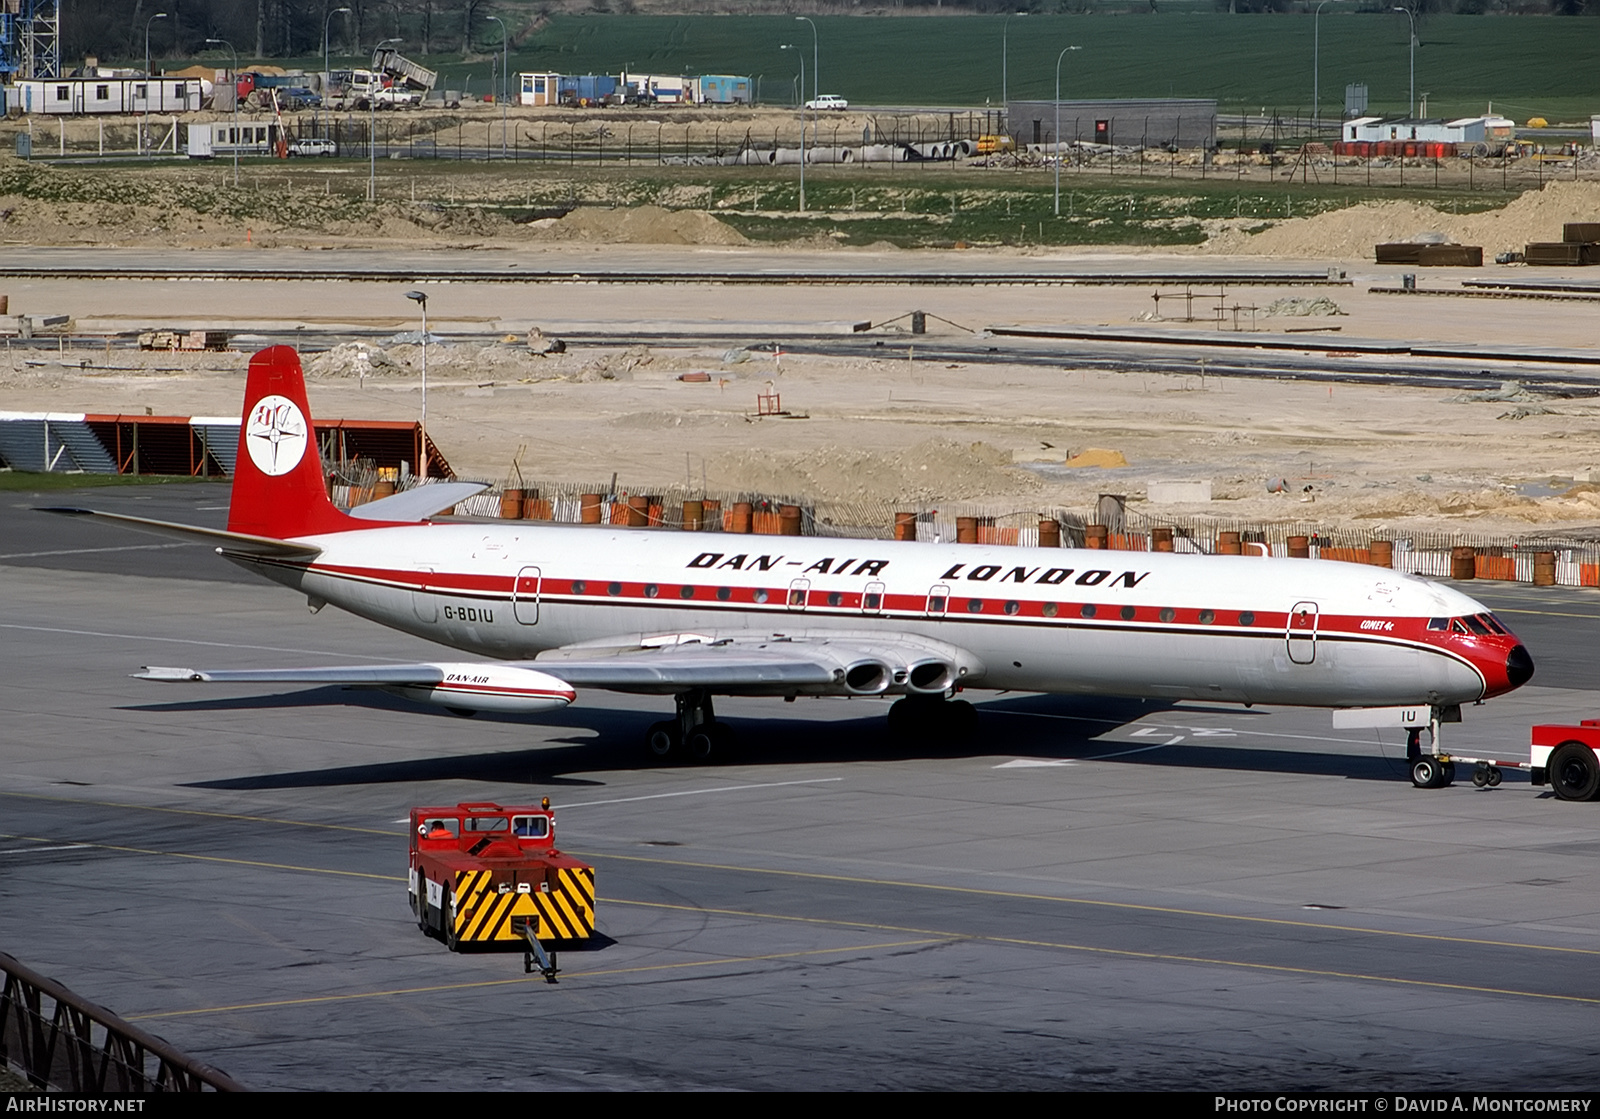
x=830 y=155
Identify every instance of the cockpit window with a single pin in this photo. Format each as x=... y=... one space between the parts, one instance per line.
x=1440 y=624
x=1494 y=624
x=1479 y=628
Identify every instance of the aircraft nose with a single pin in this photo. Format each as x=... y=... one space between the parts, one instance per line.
x=1519 y=666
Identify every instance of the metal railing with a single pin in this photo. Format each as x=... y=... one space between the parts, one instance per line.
x=60 y=1041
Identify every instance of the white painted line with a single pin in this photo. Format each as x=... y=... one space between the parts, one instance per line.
x=1173 y=741
x=1033 y=763
x=34 y=850
x=91 y=551
x=698 y=792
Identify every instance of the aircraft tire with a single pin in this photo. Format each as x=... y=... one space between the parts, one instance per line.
x=1425 y=774
x=1574 y=773
x=963 y=720
x=1494 y=776
x=1480 y=777
x=1447 y=773
x=709 y=743
x=661 y=740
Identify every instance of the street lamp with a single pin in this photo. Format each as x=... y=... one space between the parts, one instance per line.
x=421 y=298
x=1005 y=57
x=233 y=77
x=505 y=80
x=1316 y=61
x=1413 y=19
x=327 y=69
x=147 y=23
x=372 y=131
x=816 y=71
x=802 y=58
x=1059 y=57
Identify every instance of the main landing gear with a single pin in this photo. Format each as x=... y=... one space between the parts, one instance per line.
x=933 y=718
x=694 y=735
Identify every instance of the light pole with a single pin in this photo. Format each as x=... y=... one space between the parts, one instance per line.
x=372 y=130
x=1005 y=58
x=233 y=78
x=1059 y=57
x=802 y=58
x=147 y=23
x=327 y=69
x=1413 y=20
x=816 y=71
x=421 y=298
x=1316 y=61
x=505 y=80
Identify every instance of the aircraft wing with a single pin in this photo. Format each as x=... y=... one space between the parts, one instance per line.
x=418 y=504
x=741 y=664
x=227 y=541
x=812 y=664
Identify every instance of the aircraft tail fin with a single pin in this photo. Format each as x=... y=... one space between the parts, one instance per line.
x=279 y=489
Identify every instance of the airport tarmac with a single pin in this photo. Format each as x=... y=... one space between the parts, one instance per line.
x=1092 y=894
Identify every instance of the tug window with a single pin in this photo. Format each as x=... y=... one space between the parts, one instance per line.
x=531 y=827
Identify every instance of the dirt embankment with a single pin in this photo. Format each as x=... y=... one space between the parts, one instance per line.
x=1350 y=234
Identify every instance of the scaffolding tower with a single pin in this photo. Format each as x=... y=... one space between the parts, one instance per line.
x=30 y=39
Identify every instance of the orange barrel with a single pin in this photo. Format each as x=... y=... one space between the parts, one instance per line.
x=1463 y=563
x=536 y=508
x=1161 y=540
x=694 y=515
x=1228 y=544
x=741 y=516
x=711 y=518
x=966 y=530
x=1380 y=553
x=1094 y=536
x=1299 y=547
x=788 y=520
x=638 y=511
x=1544 y=569
x=511 y=504
x=1049 y=532
x=589 y=508
x=905 y=526
x=655 y=513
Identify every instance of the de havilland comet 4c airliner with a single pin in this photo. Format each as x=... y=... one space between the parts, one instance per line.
x=549 y=610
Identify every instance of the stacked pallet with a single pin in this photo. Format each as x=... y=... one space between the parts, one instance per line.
x=1579 y=244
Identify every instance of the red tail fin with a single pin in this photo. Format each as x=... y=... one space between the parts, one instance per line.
x=278 y=486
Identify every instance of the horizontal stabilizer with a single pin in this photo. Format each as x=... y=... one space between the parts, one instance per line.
x=418 y=504
x=227 y=541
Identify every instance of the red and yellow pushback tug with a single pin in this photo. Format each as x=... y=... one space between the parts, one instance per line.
x=483 y=873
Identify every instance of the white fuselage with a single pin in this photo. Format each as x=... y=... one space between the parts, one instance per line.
x=1144 y=624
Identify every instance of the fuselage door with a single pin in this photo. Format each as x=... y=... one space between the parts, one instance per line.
x=938 y=600
x=872 y=598
x=525 y=596
x=423 y=603
x=1302 y=633
x=799 y=592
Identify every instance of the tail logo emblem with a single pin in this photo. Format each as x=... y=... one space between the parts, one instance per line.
x=276 y=435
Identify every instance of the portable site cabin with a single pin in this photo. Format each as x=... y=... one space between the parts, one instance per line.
x=250 y=137
x=1466 y=130
x=667 y=89
x=725 y=89
x=540 y=89
x=91 y=96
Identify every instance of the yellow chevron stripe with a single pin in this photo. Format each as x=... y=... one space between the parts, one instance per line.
x=573 y=914
x=491 y=915
x=552 y=918
x=581 y=882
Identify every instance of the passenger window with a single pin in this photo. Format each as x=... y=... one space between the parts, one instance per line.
x=1088 y=610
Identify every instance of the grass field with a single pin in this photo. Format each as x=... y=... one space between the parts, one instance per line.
x=1526 y=66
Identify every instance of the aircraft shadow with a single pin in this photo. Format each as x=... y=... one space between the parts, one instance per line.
x=1062 y=728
